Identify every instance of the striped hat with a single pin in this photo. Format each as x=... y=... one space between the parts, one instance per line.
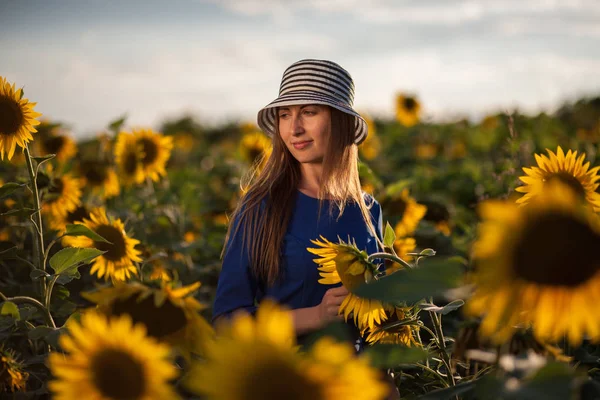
x=314 y=82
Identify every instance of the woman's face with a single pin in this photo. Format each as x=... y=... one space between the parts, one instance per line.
x=305 y=130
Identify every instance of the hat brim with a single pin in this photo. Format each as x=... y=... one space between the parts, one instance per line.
x=267 y=117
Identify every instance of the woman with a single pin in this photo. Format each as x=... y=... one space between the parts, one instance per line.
x=309 y=187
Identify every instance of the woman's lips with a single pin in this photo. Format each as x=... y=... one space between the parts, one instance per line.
x=301 y=145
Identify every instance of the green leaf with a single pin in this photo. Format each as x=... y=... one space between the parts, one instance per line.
x=39 y=332
x=10 y=308
x=115 y=125
x=37 y=274
x=82 y=230
x=453 y=305
x=389 y=236
x=427 y=253
x=20 y=212
x=553 y=381
x=8 y=188
x=339 y=331
x=66 y=261
x=582 y=355
x=42 y=159
x=397 y=187
x=449 y=393
x=432 y=278
x=392 y=355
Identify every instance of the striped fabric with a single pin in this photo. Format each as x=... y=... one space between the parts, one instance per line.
x=314 y=82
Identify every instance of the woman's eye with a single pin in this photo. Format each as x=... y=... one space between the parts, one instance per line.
x=283 y=115
x=309 y=112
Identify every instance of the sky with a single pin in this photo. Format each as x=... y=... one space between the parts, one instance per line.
x=87 y=62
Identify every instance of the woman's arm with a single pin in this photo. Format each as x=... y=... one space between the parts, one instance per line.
x=237 y=287
x=310 y=319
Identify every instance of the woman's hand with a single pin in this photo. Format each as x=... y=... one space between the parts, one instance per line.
x=310 y=319
x=330 y=305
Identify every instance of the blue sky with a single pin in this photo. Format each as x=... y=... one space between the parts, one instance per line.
x=86 y=62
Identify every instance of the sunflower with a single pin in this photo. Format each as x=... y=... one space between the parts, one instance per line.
x=17 y=119
x=455 y=150
x=117 y=262
x=159 y=273
x=425 y=151
x=63 y=196
x=255 y=147
x=346 y=264
x=170 y=314
x=129 y=159
x=407 y=209
x=439 y=215
x=53 y=142
x=59 y=222
x=12 y=376
x=568 y=169
x=155 y=150
x=490 y=123
x=258 y=360
x=408 y=110
x=370 y=148
x=110 y=359
x=536 y=265
x=402 y=334
x=99 y=177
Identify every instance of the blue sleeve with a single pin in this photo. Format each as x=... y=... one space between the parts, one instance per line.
x=237 y=285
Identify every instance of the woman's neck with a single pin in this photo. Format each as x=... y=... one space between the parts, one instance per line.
x=310 y=180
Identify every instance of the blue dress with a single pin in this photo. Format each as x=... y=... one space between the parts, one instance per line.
x=239 y=289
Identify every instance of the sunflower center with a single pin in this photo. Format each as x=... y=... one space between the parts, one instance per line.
x=570 y=181
x=131 y=163
x=11 y=116
x=279 y=380
x=254 y=153
x=116 y=249
x=159 y=321
x=78 y=215
x=150 y=151
x=95 y=172
x=54 y=144
x=557 y=250
x=55 y=191
x=117 y=375
x=409 y=103
x=398 y=207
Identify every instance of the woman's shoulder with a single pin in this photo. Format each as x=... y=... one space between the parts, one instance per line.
x=371 y=201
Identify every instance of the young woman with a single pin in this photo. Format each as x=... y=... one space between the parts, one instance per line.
x=309 y=187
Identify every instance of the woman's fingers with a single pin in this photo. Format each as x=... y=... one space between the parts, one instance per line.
x=338 y=291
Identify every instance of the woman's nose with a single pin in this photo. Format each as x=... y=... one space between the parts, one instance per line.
x=297 y=125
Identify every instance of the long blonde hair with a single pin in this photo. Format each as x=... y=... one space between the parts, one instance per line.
x=264 y=225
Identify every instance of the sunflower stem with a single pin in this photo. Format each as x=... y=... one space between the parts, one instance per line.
x=388 y=256
x=30 y=300
x=26 y=262
x=49 y=290
x=434 y=372
x=437 y=326
x=39 y=238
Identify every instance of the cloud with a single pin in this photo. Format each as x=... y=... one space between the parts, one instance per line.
x=423 y=12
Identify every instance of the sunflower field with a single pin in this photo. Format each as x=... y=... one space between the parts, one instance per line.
x=487 y=287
